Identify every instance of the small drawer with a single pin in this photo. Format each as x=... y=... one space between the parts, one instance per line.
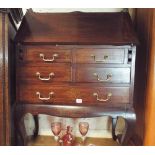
x=103 y=75
x=114 y=56
x=76 y=95
x=44 y=55
x=40 y=75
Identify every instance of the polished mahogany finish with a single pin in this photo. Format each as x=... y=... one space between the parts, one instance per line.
x=100 y=55
x=74 y=62
x=77 y=28
x=9 y=19
x=37 y=54
x=40 y=75
x=102 y=75
x=51 y=75
x=66 y=94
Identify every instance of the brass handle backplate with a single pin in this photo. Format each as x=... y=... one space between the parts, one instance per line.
x=45 y=79
x=105 y=57
x=109 y=76
x=45 y=98
x=48 y=60
x=102 y=100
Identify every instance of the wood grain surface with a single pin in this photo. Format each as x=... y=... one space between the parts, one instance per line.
x=77 y=28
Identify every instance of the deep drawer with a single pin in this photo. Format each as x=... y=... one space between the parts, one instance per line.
x=80 y=95
x=104 y=75
x=90 y=55
x=40 y=75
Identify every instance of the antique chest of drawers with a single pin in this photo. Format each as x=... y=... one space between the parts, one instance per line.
x=77 y=75
x=77 y=60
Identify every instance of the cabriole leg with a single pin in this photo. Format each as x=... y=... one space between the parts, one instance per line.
x=130 y=121
x=36 y=130
x=21 y=135
x=114 y=122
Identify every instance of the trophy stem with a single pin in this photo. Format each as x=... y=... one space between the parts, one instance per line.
x=56 y=138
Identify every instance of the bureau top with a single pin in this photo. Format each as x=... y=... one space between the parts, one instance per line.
x=77 y=28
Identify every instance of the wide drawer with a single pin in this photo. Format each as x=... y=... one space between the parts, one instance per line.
x=74 y=95
x=104 y=75
x=91 y=55
x=44 y=54
x=39 y=75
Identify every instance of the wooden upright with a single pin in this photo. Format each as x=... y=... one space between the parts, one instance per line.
x=145 y=23
x=8 y=20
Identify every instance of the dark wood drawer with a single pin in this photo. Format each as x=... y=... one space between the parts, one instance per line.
x=80 y=95
x=56 y=72
x=104 y=75
x=44 y=54
x=90 y=55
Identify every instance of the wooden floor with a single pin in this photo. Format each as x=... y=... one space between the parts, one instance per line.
x=49 y=141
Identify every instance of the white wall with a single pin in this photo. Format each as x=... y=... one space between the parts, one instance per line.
x=77 y=9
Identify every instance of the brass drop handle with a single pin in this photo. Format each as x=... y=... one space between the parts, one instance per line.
x=103 y=100
x=109 y=76
x=105 y=57
x=48 y=60
x=45 y=79
x=45 y=98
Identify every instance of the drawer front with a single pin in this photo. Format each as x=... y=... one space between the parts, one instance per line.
x=39 y=75
x=100 y=56
x=80 y=95
x=104 y=75
x=43 y=55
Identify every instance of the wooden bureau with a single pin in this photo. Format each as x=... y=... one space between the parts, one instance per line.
x=76 y=65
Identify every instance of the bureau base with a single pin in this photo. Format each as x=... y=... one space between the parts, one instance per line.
x=21 y=110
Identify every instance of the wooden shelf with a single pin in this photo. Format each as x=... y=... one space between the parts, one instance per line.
x=49 y=141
